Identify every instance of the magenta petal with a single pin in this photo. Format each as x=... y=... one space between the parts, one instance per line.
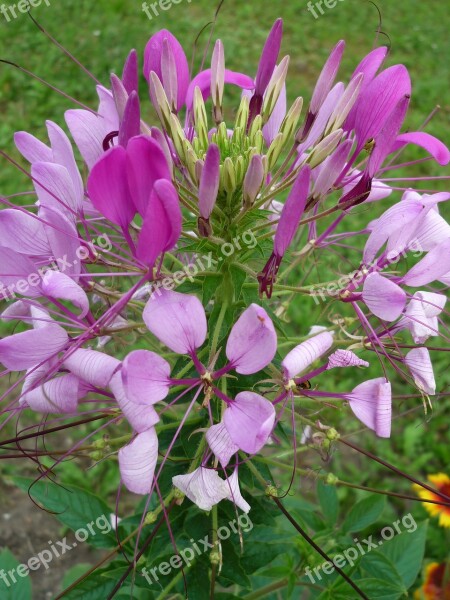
x=130 y=74
x=269 y=57
x=177 y=320
x=137 y=462
x=25 y=350
x=59 y=285
x=138 y=416
x=59 y=395
x=252 y=343
x=235 y=495
x=306 y=353
x=96 y=368
x=384 y=298
x=371 y=402
x=377 y=102
x=432 y=145
x=345 y=358
x=249 y=421
x=146 y=163
x=221 y=444
x=108 y=187
x=153 y=62
x=203 y=487
x=162 y=223
x=209 y=182
x=433 y=266
x=419 y=363
x=327 y=77
x=203 y=82
x=292 y=212
x=272 y=127
x=130 y=125
x=145 y=377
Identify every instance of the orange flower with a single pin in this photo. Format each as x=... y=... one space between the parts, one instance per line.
x=441 y=482
x=437 y=583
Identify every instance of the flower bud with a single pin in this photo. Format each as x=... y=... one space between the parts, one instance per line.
x=274 y=89
x=253 y=181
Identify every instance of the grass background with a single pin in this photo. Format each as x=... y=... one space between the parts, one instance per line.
x=100 y=35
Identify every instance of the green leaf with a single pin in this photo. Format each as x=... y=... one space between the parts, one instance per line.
x=406 y=551
x=75 y=508
x=329 y=502
x=379 y=566
x=364 y=513
x=238 y=277
x=210 y=285
x=74 y=573
x=20 y=589
x=95 y=587
x=379 y=589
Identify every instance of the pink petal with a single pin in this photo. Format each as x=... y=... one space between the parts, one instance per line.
x=145 y=377
x=138 y=416
x=371 y=402
x=59 y=395
x=32 y=149
x=209 y=182
x=306 y=353
x=25 y=350
x=96 y=368
x=419 y=363
x=421 y=315
x=221 y=444
x=203 y=81
x=88 y=130
x=177 y=320
x=203 y=487
x=146 y=163
x=63 y=239
x=432 y=145
x=108 y=187
x=269 y=57
x=252 y=343
x=384 y=298
x=153 y=62
x=137 y=462
x=235 y=493
x=249 y=421
x=345 y=358
x=59 y=285
x=272 y=127
x=17 y=272
x=54 y=188
x=23 y=232
x=433 y=266
x=63 y=155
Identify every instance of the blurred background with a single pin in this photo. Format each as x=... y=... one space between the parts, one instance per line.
x=100 y=34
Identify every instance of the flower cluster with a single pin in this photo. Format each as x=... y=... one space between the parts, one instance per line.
x=166 y=194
